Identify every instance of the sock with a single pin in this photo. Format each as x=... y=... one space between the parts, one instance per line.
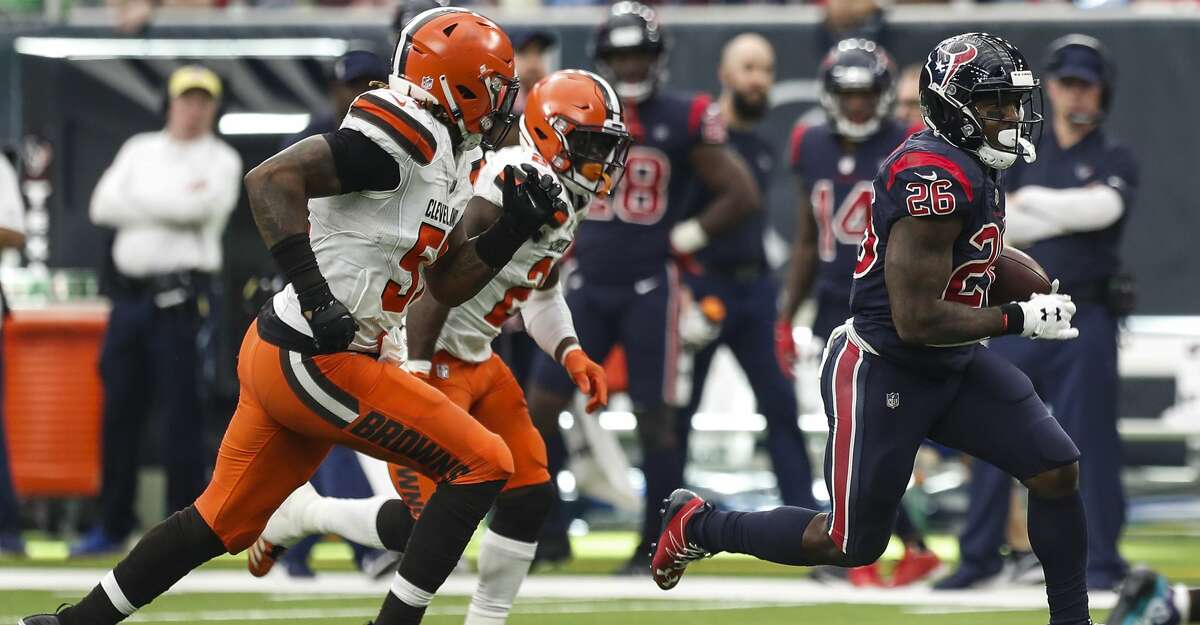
x=404 y=604
x=438 y=540
x=1058 y=534
x=907 y=531
x=503 y=565
x=162 y=557
x=352 y=519
x=394 y=524
x=1184 y=600
x=773 y=535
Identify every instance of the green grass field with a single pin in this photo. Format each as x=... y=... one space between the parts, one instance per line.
x=1174 y=550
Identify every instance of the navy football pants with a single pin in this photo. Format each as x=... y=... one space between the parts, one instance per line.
x=748 y=330
x=880 y=412
x=1078 y=379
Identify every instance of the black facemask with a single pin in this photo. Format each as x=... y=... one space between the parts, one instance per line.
x=749 y=110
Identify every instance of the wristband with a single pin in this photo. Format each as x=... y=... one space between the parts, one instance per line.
x=496 y=246
x=1013 y=318
x=295 y=257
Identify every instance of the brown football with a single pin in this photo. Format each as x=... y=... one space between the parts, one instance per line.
x=1018 y=276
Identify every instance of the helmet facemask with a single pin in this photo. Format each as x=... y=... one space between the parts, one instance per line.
x=493 y=127
x=834 y=107
x=592 y=159
x=1010 y=121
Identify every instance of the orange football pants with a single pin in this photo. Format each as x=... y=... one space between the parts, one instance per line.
x=490 y=393
x=293 y=408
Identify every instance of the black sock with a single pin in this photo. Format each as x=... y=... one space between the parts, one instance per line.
x=438 y=540
x=773 y=535
x=1194 y=606
x=162 y=557
x=907 y=531
x=394 y=524
x=663 y=469
x=1058 y=534
x=521 y=512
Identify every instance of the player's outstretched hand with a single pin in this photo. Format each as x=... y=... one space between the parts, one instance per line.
x=589 y=377
x=332 y=326
x=533 y=199
x=1048 y=316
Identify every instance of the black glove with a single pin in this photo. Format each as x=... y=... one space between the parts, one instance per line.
x=532 y=200
x=332 y=326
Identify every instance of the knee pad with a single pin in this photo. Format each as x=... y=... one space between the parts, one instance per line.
x=520 y=513
x=498 y=461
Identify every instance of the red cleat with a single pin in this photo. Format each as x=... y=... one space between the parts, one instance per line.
x=915 y=566
x=865 y=576
x=673 y=552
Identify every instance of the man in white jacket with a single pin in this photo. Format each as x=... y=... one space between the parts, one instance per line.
x=168 y=195
x=1068 y=210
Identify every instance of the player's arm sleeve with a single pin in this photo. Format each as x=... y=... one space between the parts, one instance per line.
x=706 y=126
x=925 y=184
x=548 y=319
x=1076 y=209
x=796 y=149
x=361 y=164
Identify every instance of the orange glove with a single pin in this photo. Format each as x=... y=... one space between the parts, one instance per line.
x=589 y=377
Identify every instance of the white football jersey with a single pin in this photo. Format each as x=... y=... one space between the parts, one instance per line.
x=373 y=246
x=470 y=328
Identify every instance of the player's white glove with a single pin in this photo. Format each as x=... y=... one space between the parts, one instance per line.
x=1043 y=316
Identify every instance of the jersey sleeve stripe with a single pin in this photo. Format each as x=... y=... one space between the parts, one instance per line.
x=795 y=143
x=929 y=159
x=696 y=114
x=399 y=125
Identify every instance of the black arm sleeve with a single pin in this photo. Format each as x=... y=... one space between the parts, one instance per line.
x=361 y=164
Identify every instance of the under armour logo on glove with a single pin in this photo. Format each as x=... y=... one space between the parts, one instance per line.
x=1054 y=322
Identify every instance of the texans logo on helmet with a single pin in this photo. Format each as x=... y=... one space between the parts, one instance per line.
x=953 y=56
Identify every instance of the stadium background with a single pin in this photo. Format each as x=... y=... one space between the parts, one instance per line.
x=76 y=86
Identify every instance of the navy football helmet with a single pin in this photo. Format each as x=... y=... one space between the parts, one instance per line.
x=967 y=84
x=631 y=27
x=857 y=66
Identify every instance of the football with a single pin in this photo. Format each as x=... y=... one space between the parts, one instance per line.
x=1018 y=276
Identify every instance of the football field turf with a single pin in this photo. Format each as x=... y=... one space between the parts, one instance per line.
x=727 y=590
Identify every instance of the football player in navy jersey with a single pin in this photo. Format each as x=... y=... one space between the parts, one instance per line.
x=908 y=365
x=626 y=286
x=1068 y=210
x=736 y=272
x=834 y=164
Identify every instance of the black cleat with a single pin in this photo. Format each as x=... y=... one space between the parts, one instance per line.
x=44 y=619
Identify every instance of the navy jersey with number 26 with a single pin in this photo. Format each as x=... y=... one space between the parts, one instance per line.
x=925 y=178
x=627 y=237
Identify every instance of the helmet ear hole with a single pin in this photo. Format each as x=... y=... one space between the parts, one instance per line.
x=466 y=93
x=449 y=29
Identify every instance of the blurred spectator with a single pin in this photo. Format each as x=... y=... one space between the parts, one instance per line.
x=168 y=194
x=533 y=63
x=736 y=272
x=12 y=235
x=852 y=19
x=352 y=75
x=1068 y=210
x=908 y=97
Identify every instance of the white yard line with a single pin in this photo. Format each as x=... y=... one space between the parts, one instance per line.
x=787 y=591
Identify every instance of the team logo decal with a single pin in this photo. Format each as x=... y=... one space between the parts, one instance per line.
x=893 y=400
x=953 y=56
x=427 y=83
